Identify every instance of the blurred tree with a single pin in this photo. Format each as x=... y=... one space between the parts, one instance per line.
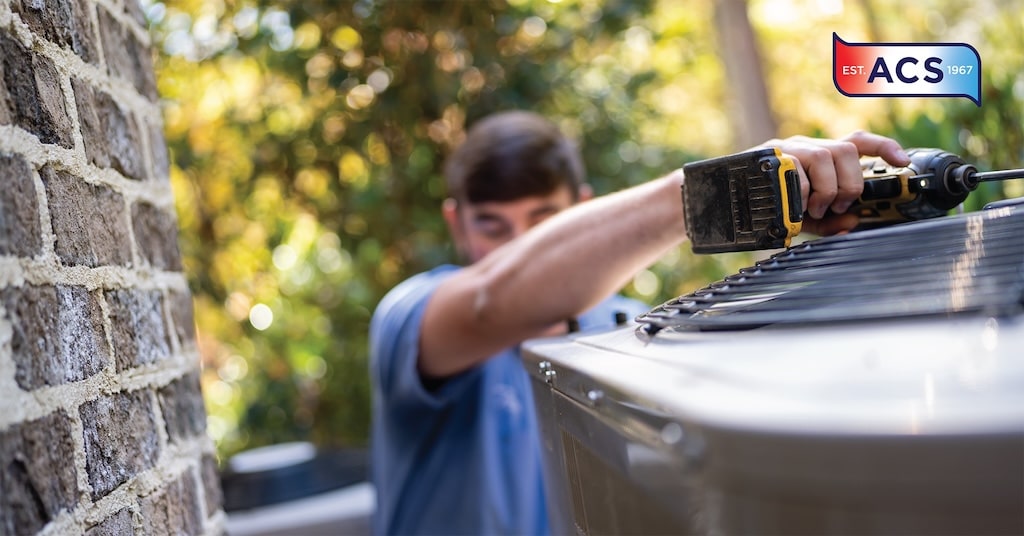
x=750 y=112
x=307 y=140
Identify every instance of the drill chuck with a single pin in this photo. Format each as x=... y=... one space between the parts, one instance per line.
x=965 y=178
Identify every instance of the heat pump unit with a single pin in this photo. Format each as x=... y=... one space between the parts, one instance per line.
x=871 y=383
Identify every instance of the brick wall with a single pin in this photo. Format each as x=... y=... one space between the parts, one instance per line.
x=102 y=423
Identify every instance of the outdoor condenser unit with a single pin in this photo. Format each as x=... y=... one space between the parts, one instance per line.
x=871 y=383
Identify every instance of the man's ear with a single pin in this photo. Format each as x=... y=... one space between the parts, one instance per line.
x=586 y=192
x=450 y=211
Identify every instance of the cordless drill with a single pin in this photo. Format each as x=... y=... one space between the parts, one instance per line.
x=751 y=200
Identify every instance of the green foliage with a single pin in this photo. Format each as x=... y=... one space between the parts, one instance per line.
x=307 y=140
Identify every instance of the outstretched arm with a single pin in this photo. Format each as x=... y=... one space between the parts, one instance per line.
x=569 y=262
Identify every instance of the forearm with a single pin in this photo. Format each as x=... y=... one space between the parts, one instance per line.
x=580 y=256
x=562 y=267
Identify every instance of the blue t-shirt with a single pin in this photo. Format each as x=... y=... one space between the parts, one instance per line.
x=463 y=458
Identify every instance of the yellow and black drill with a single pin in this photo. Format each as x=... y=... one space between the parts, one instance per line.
x=751 y=200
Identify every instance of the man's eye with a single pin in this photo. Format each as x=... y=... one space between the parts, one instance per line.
x=493 y=230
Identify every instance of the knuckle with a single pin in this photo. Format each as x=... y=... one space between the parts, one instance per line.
x=827 y=192
x=846 y=149
x=853 y=190
x=858 y=134
x=819 y=155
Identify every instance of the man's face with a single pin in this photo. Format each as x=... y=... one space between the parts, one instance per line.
x=480 y=228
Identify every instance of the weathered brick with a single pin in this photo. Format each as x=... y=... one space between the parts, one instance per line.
x=183 y=315
x=88 y=220
x=52 y=103
x=211 y=485
x=8 y=115
x=57 y=334
x=37 y=477
x=158 y=148
x=120 y=439
x=19 y=208
x=119 y=524
x=173 y=510
x=16 y=83
x=110 y=133
x=127 y=57
x=93 y=133
x=32 y=90
x=49 y=19
x=181 y=402
x=138 y=328
x=156 y=235
x=64 y=22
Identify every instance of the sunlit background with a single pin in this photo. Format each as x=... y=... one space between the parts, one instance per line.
x=307 y=140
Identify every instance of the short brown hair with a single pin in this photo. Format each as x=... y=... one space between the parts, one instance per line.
x=512 y=155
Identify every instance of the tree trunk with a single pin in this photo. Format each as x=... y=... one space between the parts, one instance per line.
x=749 y=107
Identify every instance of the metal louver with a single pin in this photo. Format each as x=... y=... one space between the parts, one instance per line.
x=969 y=263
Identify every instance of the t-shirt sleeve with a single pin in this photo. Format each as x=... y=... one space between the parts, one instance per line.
x=394 y=344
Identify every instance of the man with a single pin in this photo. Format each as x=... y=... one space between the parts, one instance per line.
x=455 y=442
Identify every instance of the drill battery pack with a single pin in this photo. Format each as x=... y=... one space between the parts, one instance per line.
x=742 y=202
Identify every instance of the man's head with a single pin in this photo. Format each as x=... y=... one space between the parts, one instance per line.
x=514 y=170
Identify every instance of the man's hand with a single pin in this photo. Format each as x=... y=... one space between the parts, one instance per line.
x=831 y=176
